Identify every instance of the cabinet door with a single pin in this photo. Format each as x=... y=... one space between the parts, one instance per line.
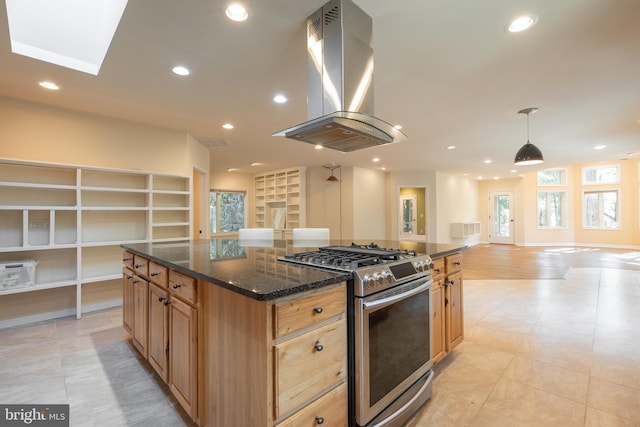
x=127 y=300
x=455 y=326
x=182 y=354
x=140 y=314
x=159 y=330
x=437 y=323
x=330 y=409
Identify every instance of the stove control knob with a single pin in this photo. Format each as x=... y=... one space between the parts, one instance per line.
x=366 y=280
x=376 y=278
x=416 y=264
x=386 y=277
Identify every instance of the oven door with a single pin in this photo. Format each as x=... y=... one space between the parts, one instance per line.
x=392 y=345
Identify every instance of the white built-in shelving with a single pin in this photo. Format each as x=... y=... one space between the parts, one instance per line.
x=280 y=200
x=73 y=219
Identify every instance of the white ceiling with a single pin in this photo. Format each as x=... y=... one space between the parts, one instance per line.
x=444 y=69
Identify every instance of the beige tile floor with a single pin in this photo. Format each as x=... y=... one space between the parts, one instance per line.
x=544 y=353
x=536 y=353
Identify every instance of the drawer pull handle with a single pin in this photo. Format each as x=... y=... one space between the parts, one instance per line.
x=126 y=259
x=138 y=265
x=128 y=277
x=318 y=310
x=167 y=302
x=437 y=270
x=452 y=283
x=161 y=299
x=136 y=281
x=176 y=286
x=154 y=274
x=456 y=263
x=319 y=420
x=318 y=346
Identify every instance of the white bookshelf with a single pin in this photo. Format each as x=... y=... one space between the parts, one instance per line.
x=72 y=219
x=280 y=200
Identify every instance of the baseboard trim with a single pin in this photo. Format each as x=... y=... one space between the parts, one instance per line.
x=581 y=245
x=51 y=315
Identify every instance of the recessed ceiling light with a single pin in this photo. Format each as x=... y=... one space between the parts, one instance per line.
x=451 y=147
x=231 y=169
x=383 y=168
x=479 y=176
x=236 y=12
x=180 y=70
x=49 y=85
x=318 y=147
x=280 y=99
x=376 y=159
x=496 y=177
x=256 y=164
x=513 y=171
x=486 y=162
x=398 y=127
x=227 y=126
x=522 y=23
x=599 y=147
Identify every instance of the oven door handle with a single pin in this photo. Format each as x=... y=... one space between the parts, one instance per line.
x=396 y=297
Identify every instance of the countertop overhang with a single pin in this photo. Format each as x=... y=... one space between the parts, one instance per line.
x=253 y=269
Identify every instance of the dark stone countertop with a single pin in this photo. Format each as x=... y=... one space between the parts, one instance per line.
x=254 y=270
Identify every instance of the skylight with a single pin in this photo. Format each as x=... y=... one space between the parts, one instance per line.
x=71 y=33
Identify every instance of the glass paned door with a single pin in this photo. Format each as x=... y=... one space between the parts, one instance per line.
x=408 y=214
x=501 y=213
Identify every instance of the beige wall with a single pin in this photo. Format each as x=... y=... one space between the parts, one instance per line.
x=456 y=201
x=35 y=132
x=415 y=179
x=369 y=200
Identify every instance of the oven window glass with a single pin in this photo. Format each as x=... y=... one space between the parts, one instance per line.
x=398 y=343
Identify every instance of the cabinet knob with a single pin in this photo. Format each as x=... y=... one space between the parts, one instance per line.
x=318 y=310
x=136 y=281
x=167 y=302
x=318 y=346
x=138 y=265
x=451 y=282
x=129 y=277
x=457 y=263
x=319 y=420
x=126 y=259
x=437 y=270
x=176 y=286
x=154 y=274
x=161 y=299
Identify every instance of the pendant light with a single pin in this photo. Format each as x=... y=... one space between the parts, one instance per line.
x=529 y=154
x=332 y=178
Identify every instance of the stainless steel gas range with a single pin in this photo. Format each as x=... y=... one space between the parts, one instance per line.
x=389 y=353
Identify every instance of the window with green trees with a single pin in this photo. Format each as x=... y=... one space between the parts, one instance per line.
x=228 y=211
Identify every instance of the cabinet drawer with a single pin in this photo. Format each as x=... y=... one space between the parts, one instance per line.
x=183 y=287
x=302 y=312
x=438 y=269
x=330 y=410
x=141 y=265
x=127 y=259
x=308 y=364
x=158 y=274
x=453 y=263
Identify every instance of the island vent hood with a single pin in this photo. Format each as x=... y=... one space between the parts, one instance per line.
x=340 y=82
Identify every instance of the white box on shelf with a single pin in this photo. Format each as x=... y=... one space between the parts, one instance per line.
x=17 y=274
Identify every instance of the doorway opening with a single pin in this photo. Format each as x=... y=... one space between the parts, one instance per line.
x=501 y=218
x=412 y=213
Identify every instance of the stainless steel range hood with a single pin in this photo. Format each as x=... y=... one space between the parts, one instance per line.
x=340 y=82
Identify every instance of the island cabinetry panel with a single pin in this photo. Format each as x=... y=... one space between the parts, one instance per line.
x=183 y=364
x=159 y=330
x=447 y=326
x=282 y=369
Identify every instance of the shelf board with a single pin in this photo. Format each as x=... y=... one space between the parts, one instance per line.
x=37 y=208
x=37 y=247
x=114 y=189
x=170 y=224
x=115 y=208
x=40 y=287
x=180 y=192
x=32 y=185
x=95 y=279
x=169 y=208
x=172 y=239
x=112 y=243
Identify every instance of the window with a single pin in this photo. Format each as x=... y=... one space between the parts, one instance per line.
x=552 y=209
x=552 y=177
x=601 y=209
x=228 y=211
x=601 y=174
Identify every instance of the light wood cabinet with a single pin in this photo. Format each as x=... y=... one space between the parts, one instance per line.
x=164 y=325
x=127 y=300
x=183 y=365
x=280 y=200
x=328 y=410
x=159 y=330
x=140 y=314
x=447 y=326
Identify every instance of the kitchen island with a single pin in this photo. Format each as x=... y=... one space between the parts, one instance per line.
x=240 y=337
